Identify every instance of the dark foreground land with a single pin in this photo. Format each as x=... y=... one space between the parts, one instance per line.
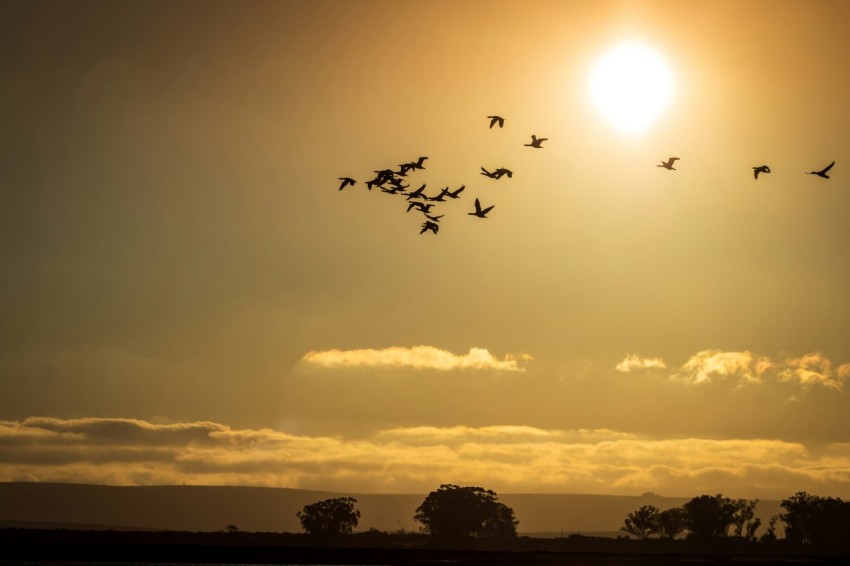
x=61 y=545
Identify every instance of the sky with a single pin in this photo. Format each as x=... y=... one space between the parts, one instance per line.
x=187 y=296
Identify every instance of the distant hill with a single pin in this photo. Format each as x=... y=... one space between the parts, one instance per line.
x=212 y=508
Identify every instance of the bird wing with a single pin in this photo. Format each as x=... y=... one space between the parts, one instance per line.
x=827 y=168
x=477 y=206
x=488 y=209
x=756 y=172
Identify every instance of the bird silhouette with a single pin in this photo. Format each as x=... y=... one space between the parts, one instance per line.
x=426 y=208
x=417 y=193
x=496 y=120
x=479 y=212
x=434 y=218
x=428 y=225
x=346 y=181
x=669 y=164
x=822 y=172
x=455 y=194
x=535 y=142
x=486 y=173
x=419 y=163
x=760 y=169
x=501 y=172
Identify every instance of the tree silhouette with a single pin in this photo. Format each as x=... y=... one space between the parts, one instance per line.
x=820 y=521
x=461 y=512
x=671 y=522
x=710 y=516
x=330 y=517
x=642 y=523
x=745 y=522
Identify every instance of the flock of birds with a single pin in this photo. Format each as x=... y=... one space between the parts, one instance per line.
x=756 y=170
x=394 y=182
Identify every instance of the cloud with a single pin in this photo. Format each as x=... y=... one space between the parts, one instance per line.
x=812 y=370
x=808 y=371
x=633 y=362
x=417 y=357
x=509 y=459
x=706 y=365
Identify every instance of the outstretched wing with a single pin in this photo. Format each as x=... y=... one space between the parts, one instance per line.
x=828 y=167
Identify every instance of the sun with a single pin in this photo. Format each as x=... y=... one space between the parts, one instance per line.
x=630 y=86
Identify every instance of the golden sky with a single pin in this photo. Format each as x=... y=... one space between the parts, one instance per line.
x=186 y=296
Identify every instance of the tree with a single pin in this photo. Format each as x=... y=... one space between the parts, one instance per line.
x=671 y=522
x=642 y=523
x=820 y=521
x=745 y=522
x=461 y=512
x=330 y=517
x=710 y=516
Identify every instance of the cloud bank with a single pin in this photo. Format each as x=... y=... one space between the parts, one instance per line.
x=417 y=357
x=509 y=459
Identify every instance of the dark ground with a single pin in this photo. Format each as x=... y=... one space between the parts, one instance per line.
x=375 y=548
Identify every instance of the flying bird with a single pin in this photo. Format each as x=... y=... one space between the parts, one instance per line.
x=501 y=171
x=454 y=194
x=760 y=169
x=426 y=208
x=479 y=212
x=496 y=120
x=822 y=172
x=535 y=142
x=346 y=181
x=428 y=225
x=669 y=164
x=486 y=173
x=434 y=218
x=417 y=193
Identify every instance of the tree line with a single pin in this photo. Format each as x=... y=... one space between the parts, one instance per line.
x=455 y=512
x=808 y=520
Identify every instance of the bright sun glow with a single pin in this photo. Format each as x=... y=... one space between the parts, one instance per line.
x=630 y=86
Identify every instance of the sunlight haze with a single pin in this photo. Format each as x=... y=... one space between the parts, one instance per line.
x=188 y=296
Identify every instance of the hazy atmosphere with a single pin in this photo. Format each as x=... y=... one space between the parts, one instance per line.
x=187 y=295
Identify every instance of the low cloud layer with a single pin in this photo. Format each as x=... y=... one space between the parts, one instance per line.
x=417 y=357
x=506 y=458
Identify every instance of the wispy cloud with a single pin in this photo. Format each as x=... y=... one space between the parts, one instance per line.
x=808 y=371
x=813 y=369
x=417 y=357
x=633 y=362
x=707 y=365
x=505 y=458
